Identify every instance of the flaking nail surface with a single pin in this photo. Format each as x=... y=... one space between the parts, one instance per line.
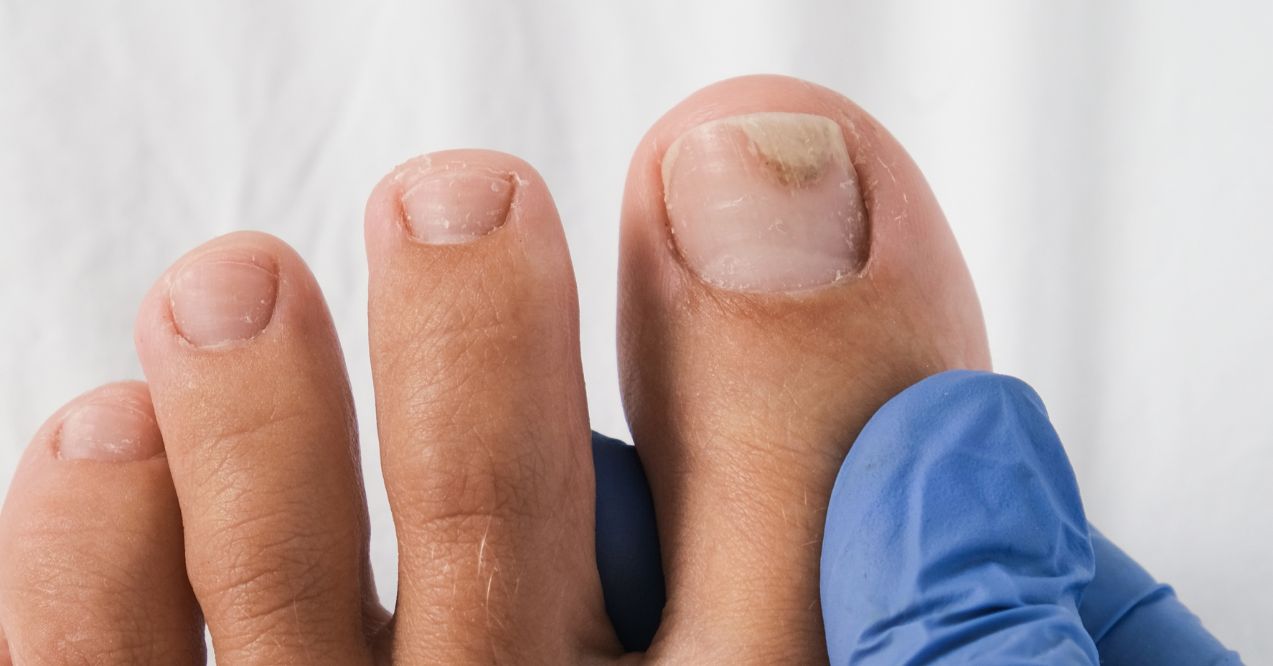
x=114 y=427
x=224 y=296
x=453 y=205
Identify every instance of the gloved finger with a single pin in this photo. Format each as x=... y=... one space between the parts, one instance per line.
x=955 y=531
x=1137 y=621
x=1132 y=618
x=627 y=544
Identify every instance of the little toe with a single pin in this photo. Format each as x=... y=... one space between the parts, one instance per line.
x=482 y=417
x=784 y=271
x=252 y=398
x=91 y=561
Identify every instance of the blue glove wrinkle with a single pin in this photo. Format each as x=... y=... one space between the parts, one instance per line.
x=955 y=532
x=1119 y=586
x=1136 y=620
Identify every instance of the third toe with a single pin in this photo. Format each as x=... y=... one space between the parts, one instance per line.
x=251 y=396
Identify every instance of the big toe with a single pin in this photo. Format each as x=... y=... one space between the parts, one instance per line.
x=785 y=271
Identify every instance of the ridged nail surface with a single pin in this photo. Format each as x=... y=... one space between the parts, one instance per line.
x=456 y=204
x=224 y=296
x=766 y=202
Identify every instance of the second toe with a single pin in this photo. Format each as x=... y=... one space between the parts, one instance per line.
x=482 y=417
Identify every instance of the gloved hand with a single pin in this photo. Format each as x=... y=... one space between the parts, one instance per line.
x=955 y=533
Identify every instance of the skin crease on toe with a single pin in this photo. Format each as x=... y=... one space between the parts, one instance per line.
x=776 y=287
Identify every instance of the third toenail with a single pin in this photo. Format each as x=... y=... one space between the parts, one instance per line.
x=224 y=296
x=766 y=202
x=116 y=430
x=455 y=205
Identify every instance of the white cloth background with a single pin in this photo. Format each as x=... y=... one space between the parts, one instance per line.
x=1106 y=167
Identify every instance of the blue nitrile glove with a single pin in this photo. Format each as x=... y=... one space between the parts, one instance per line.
x=1137 y=621
x=955 y=533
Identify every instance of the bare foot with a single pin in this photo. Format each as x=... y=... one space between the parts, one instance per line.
x=785 y=270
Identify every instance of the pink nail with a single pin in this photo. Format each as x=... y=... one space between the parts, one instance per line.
x=455 y=205
x=224 y=296
x=766 y=202
x=113 y=428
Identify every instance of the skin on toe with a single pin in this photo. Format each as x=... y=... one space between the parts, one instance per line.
x=250 y=391
x=784 y=271
x=483 y=426
x=91 y=558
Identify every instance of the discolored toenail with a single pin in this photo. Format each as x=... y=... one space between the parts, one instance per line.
x=455 y=204
x=114 y=428
x=224 y=296
x=766 y=202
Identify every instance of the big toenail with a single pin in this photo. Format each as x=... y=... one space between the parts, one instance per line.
x=766 y=202
x=457 y=204
x=118 y=429
x=224 y=296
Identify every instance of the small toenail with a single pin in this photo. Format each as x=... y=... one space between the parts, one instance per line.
x=117 y=429
x=455 y=204
x=766 y=202
x=224 y=296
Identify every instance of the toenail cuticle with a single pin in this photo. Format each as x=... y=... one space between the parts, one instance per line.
x=455 y=204
x=766 y=202
x=224 y=296
x=117 y=429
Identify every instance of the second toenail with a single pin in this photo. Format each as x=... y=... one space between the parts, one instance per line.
x=766 y=202
x=455 y=204
x=116 y=430
x=224 y=296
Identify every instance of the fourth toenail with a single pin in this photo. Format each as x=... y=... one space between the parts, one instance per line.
x=448 y=206
x=116 y=430
x=224 y=296
x=766 y=202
